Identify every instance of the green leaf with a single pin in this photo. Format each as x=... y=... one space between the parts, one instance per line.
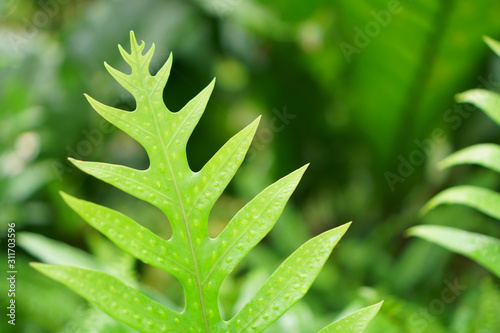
x=483 y=249
x=250 y=225
x=129 y=235
x=482 y=199
x=486 y=100
x=55 y=252
x=493 y=44
x=485 y=154
x=199 y=262
x=355 y=322
x=115 y=298
x=288 y=284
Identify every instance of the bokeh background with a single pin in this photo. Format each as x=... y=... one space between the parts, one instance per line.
x=363 y=90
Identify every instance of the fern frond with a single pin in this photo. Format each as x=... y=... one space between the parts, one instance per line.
x=483 y=249
x=186 y=197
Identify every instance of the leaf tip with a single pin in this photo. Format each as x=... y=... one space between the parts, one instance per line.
x=460 y=98
x=74 y=161
x=255 y=123
x=64 y=195
x=411 y=232
x=68 y=199
x=443 y=164
x=88 y=97
x=377 y=306
x=346 y=225
x=426 y=208
x=133 y=40
x=40 y=267
x=489 y=41
x=340 y=230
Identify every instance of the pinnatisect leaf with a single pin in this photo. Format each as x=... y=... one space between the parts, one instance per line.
x=483 y=249
x=484 y=200
x=186 y=197
x=288 y=284
x=485 y=154
x=115 y=298
x=355 y=322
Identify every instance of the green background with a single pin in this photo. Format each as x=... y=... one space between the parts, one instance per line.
x=363 y=90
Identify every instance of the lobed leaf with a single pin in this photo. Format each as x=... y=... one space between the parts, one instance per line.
x=486 y=100
x=483 y=249
x=186 y=197
x=355 y=322
x=485 y=154
x=287 y=285
x=482 y=199
x=115 y=298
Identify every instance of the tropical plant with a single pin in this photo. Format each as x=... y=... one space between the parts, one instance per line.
x=483 y=249
x=199 y=262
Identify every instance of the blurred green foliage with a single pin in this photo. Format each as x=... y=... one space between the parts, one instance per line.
x=363 y=90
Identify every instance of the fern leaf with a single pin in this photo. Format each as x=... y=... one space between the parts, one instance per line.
x=129 y=235
x=482 y=199
x=186 y=197
x=486 y=100
x=287 y=285
x=355 y=322
x=480 y=248
x=116 y=298
x=485 y=154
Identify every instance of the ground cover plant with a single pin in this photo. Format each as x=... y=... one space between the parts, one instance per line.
x=199 y=262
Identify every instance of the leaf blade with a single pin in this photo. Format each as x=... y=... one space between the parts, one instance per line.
x=486 y=155
x=485 y=250
x=130 y=181
x=253 y=222
x=355 y=322
x=130 y=236
x=493 y=44
x=486 y=100
x=115 y=298
x=484 y=200
x=288 y=283
x=214 y=177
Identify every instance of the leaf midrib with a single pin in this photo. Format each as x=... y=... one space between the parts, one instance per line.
x=181 y=205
